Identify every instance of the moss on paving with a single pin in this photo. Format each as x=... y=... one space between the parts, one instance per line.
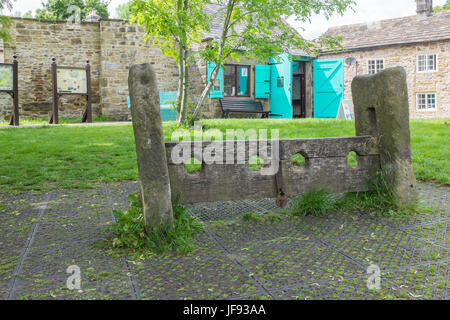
x=248 y=255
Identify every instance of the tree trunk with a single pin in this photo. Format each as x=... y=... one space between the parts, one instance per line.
x=150 y=147
x=220 y=57
x=185 y=101
x=181 y=84
x=201 y=103
x=183 y=89
x=181 y=66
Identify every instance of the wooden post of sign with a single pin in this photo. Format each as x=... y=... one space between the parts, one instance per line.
x=15 y=94
x=54 y=118
x=87 y=116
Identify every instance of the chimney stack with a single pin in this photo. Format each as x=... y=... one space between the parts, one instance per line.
x=93 y=16
x=424 y=7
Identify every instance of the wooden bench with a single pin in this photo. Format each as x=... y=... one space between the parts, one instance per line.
x=242 y=106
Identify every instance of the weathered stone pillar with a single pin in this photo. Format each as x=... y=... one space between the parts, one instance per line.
x=382 y=109
x=150 y=146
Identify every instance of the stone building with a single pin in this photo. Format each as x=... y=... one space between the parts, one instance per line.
x=112 y=46
x=297 y=86
x=420 y=44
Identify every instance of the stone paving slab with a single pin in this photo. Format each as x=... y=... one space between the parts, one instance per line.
x=42 y=234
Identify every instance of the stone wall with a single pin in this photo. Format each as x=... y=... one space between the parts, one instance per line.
x=326 y=167
x=122 y=45
x=406 y=56
x=112 y=46
x=36 y=43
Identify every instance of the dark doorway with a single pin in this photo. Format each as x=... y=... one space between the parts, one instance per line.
x=299 y=90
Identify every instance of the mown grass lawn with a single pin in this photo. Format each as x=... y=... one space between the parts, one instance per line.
x=81 y=156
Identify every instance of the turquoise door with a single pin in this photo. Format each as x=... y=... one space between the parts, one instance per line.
x=281 y=87
x=328 y=87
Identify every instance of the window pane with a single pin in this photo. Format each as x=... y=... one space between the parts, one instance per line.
x=229 y=79
x=421 y=101
x=422 y=63
x=380 y=65
x=431 y=101
x=372 y=67
x=431 y=66
x=280 y=82
x=243 y=81
x=426 y=101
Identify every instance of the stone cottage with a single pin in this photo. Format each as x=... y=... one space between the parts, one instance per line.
x=420 y=44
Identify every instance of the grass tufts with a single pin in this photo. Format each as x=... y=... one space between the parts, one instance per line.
x=314 y=203
x=261 y=217
x=380 y=200
x=193 y=165
x=256 y=163
x=299 y=161
x=129 y=231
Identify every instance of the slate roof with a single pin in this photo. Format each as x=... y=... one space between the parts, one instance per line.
x=399 y=31
x=217 y=23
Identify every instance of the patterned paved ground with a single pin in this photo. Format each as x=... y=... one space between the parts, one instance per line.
x=299 y=258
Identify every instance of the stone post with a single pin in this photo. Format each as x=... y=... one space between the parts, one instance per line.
x=382 y=109
x=150 y=146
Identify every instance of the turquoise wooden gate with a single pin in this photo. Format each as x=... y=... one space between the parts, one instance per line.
x=328 y=87
x=281 y=87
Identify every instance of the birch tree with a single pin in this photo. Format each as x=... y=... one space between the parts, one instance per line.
x=175 y=26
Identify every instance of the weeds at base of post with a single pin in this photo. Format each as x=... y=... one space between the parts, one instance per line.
x=129 y=232
x=381 y=200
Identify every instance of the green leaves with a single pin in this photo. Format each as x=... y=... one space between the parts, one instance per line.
x=57 y=9
x=171 y=23
x=259 y=27
x=5 y=29
x=124 y=11
x=5 y=22
x=444 y=7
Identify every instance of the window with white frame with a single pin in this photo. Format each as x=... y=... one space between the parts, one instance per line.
x=427 y=62
x=375 y=65
x=426 y=101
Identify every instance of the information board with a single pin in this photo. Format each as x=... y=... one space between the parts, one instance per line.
x=346 y=110
x=6 y=78
x=72 y=81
